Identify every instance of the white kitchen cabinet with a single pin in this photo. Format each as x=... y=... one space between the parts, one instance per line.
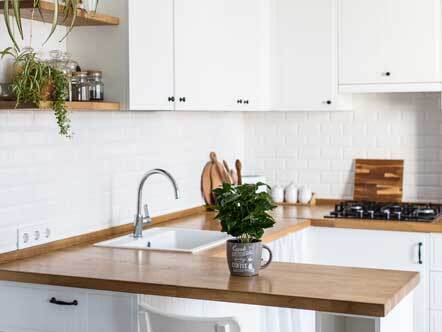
x=304 y=56
x=436 y=252
x=389 y=45
x=376 y=249
x=151 y=55
x=27 y=307
x=435 y=321
x=219 y=54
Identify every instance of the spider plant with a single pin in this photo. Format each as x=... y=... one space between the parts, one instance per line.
x=36 y=81
x=63 y=11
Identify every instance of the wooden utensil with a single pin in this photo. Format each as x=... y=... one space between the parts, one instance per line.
x=378 y=180
x=206 y=183
x=228 y=172
x=220 y=168
x=238 y=167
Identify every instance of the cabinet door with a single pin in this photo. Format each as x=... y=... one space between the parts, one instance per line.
x=412 y=51
x=363 y=30
x=217 y=54
x=151 y=55
x=25 y=307
x=250 y=41
x=112 y=312
x=303 y=55
x=375 y=249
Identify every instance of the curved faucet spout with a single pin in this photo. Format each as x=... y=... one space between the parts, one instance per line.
x=139 y=218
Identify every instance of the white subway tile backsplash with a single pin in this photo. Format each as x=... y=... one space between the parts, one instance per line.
x=399 y=126
x=89 y=182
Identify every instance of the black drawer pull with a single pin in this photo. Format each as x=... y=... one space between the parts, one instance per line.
x=420 y=253
x=171 y=99
x=57 y=302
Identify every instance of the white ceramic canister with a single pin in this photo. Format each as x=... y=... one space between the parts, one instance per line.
x=305 y=195
x=278 y=194
x=291 y=193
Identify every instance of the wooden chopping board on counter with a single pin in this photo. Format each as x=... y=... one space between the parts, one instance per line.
x=378 y=180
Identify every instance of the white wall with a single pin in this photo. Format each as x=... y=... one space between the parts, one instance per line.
x=90 y=182
x=317 y=149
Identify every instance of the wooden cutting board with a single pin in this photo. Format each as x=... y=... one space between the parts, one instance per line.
x=378 y=180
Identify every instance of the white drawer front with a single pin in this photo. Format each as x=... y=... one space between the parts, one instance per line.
x=25 y=307
x=435 y=321
x=436 y=252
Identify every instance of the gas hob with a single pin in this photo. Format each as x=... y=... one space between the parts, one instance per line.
x=386 y=211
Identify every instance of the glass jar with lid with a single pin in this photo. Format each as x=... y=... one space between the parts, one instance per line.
x=96 y=85
x=80 y=86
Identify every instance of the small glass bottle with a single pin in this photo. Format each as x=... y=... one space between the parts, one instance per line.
x=80 y=86
x=96 y=85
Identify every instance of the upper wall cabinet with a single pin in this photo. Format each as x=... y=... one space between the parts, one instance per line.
x=220 y=54
x=151 y=55
x=389 y=45
x=304 y=55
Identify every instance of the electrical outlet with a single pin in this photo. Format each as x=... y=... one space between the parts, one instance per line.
x=33 y=235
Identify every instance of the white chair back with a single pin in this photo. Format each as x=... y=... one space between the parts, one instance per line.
x=153 y=320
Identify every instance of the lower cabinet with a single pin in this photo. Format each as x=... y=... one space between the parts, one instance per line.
x=35 y=308
x=376 y=249
x=435 y=321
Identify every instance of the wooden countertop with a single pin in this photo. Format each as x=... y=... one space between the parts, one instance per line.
x=345 y=290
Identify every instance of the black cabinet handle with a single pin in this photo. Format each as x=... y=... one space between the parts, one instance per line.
x=171 y=99
x=183 y=99
x=387 y=73
x=57 y=302
x=420 y=253
x=239 y=101
x=328 y=102
x=246 y=101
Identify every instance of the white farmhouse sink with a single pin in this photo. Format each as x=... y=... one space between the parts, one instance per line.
x=169 y=239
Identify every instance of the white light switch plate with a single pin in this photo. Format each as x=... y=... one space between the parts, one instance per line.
x=33 y=235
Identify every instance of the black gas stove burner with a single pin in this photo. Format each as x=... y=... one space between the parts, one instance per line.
x=386 y=211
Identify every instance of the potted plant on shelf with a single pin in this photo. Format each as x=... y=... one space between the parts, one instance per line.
x=35 y=81
x=243 y=214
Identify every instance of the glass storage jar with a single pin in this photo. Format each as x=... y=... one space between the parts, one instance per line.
x=96 y=85
x=80 y=86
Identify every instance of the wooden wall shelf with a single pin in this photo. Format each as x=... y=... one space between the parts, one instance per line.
x=73 y=106
x=47 y=8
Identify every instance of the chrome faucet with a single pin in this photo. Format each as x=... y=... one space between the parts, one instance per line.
x=141 y=220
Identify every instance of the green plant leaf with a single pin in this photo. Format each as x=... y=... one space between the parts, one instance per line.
x=72 y=6
x=8 y=23
x=54 y=21
x=243 y=211
x=17 y=15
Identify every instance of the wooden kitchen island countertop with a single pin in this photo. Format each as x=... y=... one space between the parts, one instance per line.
x=366 y=292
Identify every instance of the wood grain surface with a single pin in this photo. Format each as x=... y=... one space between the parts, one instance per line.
x=378 y=180
x=47 y=8
x=367 y=292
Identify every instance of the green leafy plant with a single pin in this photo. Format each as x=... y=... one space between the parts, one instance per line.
x=242 y=211
x=11 y=9
x=35 y=81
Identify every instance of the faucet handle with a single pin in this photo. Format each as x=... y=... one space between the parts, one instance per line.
x=146 y=217
x=146 y=211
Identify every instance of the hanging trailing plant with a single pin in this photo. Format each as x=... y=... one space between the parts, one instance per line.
x=69 y=11
x=35 y=81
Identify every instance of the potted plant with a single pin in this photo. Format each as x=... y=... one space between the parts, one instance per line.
x=243 y=213
x=36 y=81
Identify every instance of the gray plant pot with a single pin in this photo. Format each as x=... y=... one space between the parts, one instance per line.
x=244 y=259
